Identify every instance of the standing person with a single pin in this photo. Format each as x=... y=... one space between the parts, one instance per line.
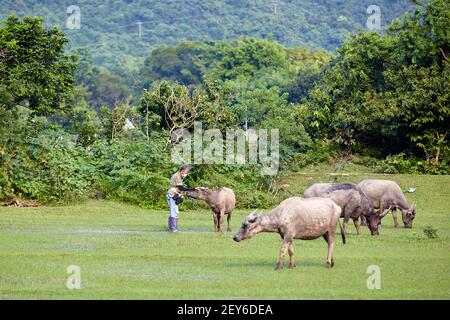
x=174 y=196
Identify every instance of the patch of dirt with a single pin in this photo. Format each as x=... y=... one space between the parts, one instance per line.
x=302 y=176
x=22 y=203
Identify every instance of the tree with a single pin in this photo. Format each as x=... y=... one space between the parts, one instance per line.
x=34 y=70
x=174 y=103
x=102 y=87
x=179 y=64
x=247 y=57
x=390 y=89
x=420 y=71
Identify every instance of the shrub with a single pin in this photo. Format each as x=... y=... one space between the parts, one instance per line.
x=396 y=164
x=430 y=232
x=317 y=152
x=400 y=164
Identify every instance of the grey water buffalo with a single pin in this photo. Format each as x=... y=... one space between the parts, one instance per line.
x=296 y=218
x=221 y=201
x=387 y=195
x=352 y=200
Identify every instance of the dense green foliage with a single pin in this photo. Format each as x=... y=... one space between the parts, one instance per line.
x=67 y=133
x=33 y=68
x=391 y=92
x=110 y=30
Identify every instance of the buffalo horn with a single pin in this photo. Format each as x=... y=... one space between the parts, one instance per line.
x=385 y=212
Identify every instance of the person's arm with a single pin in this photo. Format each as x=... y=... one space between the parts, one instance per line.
x=183 y=188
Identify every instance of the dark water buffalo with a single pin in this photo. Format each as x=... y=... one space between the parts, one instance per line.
x=352 y=200
x=221 y=201
x=386 y=195
x=296 y=218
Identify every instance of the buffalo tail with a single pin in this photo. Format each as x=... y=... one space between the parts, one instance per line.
x=342 y=232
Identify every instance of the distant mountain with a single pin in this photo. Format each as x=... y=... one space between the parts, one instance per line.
x=120 y=33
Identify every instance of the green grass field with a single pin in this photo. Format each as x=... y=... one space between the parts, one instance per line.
x=124 y=253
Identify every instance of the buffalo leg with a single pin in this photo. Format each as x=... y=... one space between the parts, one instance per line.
x=356 y=223
x=219 y=222
x=228 y=221
x=284 y=247
x=220 y=217
x=329 y=238
x=394 y=216
x=215 y=222
x=291 y=256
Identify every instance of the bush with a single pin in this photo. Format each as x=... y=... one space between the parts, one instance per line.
x=366 y=161
x=134 y=171
x=396 y=164
x=400 y=164
x=430 y=232
x=255 y=199
x=317 y=152
x=47 y=167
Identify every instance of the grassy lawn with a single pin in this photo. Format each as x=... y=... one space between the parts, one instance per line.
x=124 y=253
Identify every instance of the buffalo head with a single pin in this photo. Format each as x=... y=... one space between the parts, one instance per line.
x=198 y=193
x=408 y=216
x=374 y=221
x=248 y=228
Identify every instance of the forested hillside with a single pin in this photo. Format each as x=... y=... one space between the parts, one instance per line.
x=110 y=28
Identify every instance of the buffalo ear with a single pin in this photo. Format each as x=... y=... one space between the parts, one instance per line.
x=253 y=218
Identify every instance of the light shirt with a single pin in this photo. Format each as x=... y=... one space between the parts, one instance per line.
x=175 y=181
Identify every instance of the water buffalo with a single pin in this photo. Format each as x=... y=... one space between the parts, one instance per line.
x=296 y=218
x=352 y=200
x=221 y=201
x=387 y=195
